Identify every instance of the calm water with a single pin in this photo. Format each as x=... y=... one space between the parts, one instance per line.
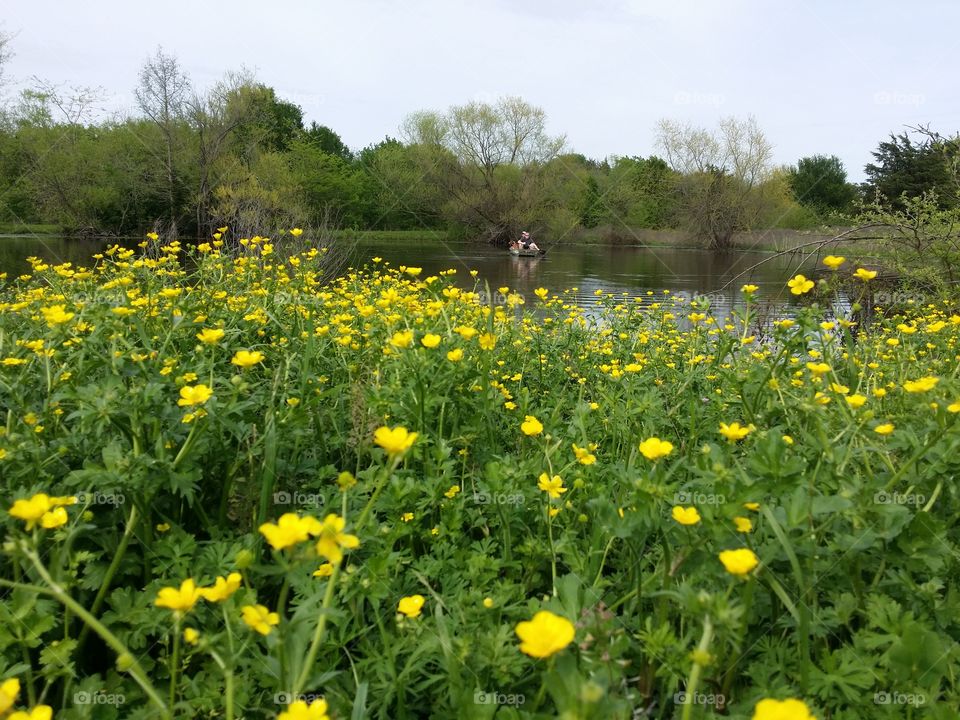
x=630 y=270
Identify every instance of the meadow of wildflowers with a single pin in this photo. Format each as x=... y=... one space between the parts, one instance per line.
x=237 y=487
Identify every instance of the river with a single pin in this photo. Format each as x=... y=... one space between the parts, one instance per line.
x=635 y=271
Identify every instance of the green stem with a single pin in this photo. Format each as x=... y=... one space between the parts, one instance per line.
x=132 y=520
x=55 y=591
x=693 y=680
x=318 y=632
x=175 y=661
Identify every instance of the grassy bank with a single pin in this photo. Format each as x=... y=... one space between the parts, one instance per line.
x=397 y=498
x=9 y=228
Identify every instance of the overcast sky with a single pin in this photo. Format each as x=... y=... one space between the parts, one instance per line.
x=820 y=76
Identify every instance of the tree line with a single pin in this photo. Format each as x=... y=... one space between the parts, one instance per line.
x=185 y=162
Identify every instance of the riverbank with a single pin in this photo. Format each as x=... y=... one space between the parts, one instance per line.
x=17 y=229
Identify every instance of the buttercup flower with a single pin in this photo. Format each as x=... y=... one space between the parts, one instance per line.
x=655 y=448
x=325 y=570
x=42 y=509
x=222 y=588
x=430 y=340
x=259 y=618
x=332 y=539
x=834 y=261
x=545 y=634
x=180 y=600
x=395 y=441
x=744 y=525
x=790 y=709
x=800 y=285
x=40 y=712
x=402 y=339
x=865 y=275
x=734 y=431
x=194 y=395
x=290 y=530
x=531 y=426
x=300 y=710
x=922 y=385
x=191 y=636
x=552 y=486
x=584 y=456
x=685 y=515
x=9 y=690
x=247 y=358
x=411 y=605
x=740 y=561
x=210 y=336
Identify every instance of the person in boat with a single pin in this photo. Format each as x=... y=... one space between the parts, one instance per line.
x=526 y=243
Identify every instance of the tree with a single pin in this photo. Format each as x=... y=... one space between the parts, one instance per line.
x=721 y=173
x=640 y=192
x=394 y=195
x=488 y=161
x=6 y=52
x=162 y=95
x=264 y=121
x=328 y=141
x=820 y=182
x=905 y=169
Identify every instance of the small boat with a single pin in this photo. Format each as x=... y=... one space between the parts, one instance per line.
x=525 y=253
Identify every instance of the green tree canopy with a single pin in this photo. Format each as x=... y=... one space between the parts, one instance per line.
x=820 y=182
x=909 y=168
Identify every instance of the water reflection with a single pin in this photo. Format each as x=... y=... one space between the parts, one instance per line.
x=642 y=273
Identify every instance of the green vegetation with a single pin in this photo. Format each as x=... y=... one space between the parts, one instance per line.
x=187 y=162
x=228 y=484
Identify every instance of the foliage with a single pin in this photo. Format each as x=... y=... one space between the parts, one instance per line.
x=483 y=463
x=820 y=182
x=923 y=240
x=719 y=190
x=488 y=161
x=906 y=168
